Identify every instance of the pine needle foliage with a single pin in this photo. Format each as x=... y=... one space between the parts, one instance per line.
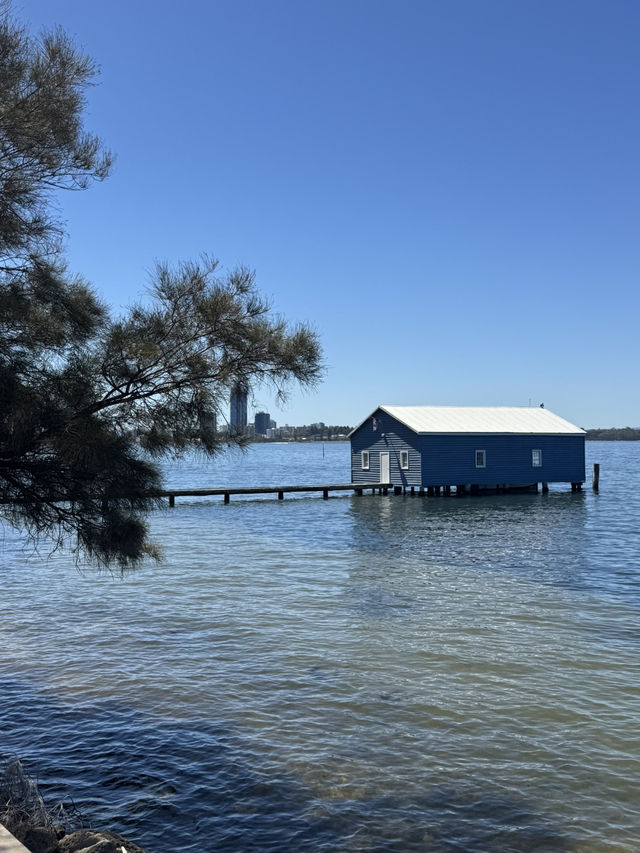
x=89 y=404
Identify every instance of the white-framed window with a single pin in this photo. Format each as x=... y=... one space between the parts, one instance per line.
x=364 y=460
x=404 y=460
x=536 y=458
x=481 y=458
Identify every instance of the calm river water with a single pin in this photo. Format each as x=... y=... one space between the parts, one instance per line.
x=359 y=674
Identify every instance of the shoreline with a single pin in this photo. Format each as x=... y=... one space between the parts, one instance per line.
x=27 y=824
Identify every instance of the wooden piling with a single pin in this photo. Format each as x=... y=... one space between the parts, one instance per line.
x=172 y=500
x=281 y=496
x=226 y=497
x=545 y=488
x=595 y=482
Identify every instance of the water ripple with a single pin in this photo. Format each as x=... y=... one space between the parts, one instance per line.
x=360 y=674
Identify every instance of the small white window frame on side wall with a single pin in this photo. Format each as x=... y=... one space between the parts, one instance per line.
x=536 y=459
x=481 y=458
x=404 y=460
x=364 y=460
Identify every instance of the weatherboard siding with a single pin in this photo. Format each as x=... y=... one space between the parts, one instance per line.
x=450 y=459
x=390 y=437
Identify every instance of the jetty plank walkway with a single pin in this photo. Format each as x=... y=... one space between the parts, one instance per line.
x=280 y=491
x=358 y=488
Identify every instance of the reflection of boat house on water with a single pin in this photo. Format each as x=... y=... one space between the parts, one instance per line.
x=469 y=447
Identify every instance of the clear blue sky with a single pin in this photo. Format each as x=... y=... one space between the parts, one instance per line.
x=448 y=191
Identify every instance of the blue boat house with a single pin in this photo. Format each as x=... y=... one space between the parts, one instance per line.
x=471 y=448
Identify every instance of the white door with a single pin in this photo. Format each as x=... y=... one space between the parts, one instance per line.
x=384 y=467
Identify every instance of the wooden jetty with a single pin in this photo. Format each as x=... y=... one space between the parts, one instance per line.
x=359 y=488
x=280 y=491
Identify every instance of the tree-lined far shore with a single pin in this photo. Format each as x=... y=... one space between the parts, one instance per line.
x=614 y=434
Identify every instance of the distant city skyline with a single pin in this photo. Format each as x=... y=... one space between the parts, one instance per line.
x=447 y=192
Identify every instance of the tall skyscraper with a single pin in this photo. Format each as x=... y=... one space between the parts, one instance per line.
x=262 y=422
x=238 y=408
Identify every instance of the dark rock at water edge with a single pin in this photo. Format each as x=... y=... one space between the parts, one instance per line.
x=92 y=841
x=37 y=839
x=41 y=839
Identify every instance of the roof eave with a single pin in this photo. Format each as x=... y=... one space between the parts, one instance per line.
x=496 y=432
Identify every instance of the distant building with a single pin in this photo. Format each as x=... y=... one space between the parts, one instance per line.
x=466 y=447
x=262 y=422
x=208 y=424
x=238 y=408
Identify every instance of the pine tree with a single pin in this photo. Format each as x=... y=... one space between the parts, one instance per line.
x=89 y=404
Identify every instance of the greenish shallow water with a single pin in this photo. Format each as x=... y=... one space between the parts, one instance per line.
x=358 y=674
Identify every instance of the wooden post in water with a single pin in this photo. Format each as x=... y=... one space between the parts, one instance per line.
x=226 y=497
x=325 y=494
x=545 y=488
x=596 y=476
x=280 y=496
x=172 y=500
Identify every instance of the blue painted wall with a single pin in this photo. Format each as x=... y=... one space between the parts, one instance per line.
x=447 y=460
x=450 y=459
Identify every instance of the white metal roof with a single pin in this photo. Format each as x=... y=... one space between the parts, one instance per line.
x=481 y=419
